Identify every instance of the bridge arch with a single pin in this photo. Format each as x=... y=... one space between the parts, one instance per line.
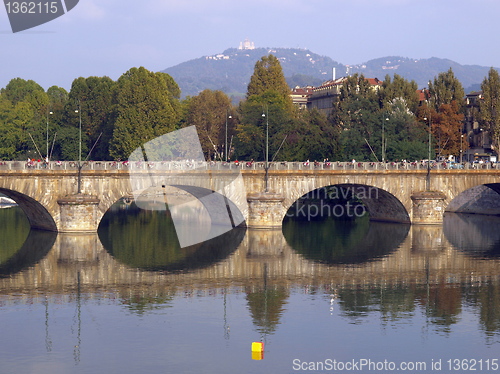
x=38 y=215
x=480 y=199
x=220 y=214
x=380 y=204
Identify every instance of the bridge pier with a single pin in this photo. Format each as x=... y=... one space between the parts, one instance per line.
x=78 y=213
x=428 y=208
x=265 y=210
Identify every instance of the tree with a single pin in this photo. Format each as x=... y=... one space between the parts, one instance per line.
x=268 y=76
x=268 y=105
x=399 y=88
x=404 y=137
x=259 y=113
x=445 y=89
x=209 y=112
x=489 y=107
x=94 y=96
x=17 y=89
x=143 y=111
x=427 y=117
x=448 y=129
x=311 y=136
x=357 y=115
x=57 y=95
x=68 y=135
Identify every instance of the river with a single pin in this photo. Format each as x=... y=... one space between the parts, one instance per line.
x=323 y=296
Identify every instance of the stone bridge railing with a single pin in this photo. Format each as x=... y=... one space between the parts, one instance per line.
x=242 y=165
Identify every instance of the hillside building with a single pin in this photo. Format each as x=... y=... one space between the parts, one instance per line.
x=478 y=139
x=246 y=45
x=323 y=97
x=300 y=96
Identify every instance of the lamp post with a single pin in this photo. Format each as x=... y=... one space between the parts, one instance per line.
x=383 y=140
x=226 y=134
x=267 y=146
x=429 y=159
x=79 y=149
x=461 y=149
x=47 y=158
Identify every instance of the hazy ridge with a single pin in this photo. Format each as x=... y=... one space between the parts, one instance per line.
x=230 y=71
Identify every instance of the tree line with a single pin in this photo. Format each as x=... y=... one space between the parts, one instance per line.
x=116 y=117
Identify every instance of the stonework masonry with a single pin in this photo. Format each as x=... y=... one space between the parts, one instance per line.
x=428 y=207
x=389 y=195
x=78 y=213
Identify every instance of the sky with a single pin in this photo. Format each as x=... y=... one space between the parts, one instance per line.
x=108 y=37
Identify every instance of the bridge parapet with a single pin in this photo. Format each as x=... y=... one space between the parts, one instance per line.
x=242 y=165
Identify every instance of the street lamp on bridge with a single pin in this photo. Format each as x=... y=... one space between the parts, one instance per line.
x=79 y=111
x=267 y=146
x=429 y=159
x=226 y=133
x=48 y=112
x=383 y=140
x=461 y=149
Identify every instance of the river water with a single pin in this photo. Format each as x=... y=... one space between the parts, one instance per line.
x=323 y=296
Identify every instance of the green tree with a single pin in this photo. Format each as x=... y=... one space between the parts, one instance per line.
x=209 y=111
x=428 y=117
x=261 y=113
x=399 y=88
x=68 y=134
x=489 y=107
x=57 y=95
x=94 y=95
x=445 y=89
x=143 y=111
x=268 y=76
x=311 y=136
x=268 y=106
x=404 y=137
x=17 y=89
x=14 y=125
x=20 y=91
x=357 y=115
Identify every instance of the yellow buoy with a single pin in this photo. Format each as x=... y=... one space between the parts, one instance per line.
x=257 y=350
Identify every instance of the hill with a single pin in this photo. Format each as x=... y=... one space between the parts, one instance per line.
x=230 y=71
x=421 y=71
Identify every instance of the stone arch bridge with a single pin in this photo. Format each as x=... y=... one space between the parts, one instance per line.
x=48 y=193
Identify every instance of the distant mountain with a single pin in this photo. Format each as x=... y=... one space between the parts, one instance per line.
x=230 y=71
x=421 y=71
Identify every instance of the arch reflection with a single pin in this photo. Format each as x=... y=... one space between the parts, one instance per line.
x=473 y=234
x=147 y=240
x=21 y=247
x=35 y=248
x=344 y=241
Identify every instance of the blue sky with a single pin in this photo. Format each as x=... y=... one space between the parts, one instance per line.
x=108 y=37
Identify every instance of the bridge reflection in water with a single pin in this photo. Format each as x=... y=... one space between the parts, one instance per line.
x=429 y=275
x=461 y=251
